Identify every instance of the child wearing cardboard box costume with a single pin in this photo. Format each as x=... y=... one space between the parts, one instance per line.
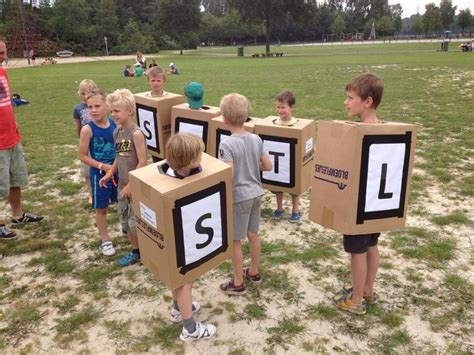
x=130 y=153
x=183 y=154
x=284 y=105
x=363 y=95
x=244 y=151
x=96 y=149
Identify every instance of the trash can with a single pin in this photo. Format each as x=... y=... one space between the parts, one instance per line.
x=240 y=51
x=444 y=46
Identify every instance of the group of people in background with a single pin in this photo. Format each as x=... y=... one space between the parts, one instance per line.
x=140 y=67
x=111 y=145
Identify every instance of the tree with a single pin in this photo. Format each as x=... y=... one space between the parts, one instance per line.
x=385 y=25
x=417 y=24
x=432 y=18
x=447 y=13
x=465 y=19
x=181 y=20
x=266 y=12
x=133 y=39
x=338 y=25
x=396 y=15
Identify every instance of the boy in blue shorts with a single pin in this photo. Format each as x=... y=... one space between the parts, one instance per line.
x=96 y=149
x=245 y=153
x=130 y=151
x=82 y=117
x=363 y=95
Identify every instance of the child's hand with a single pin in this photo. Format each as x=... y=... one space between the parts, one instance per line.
x=103 y=181
x=126 y=193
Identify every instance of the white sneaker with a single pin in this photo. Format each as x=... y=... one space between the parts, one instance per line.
x=107 y=248
x=203 y=331
x=175 y=315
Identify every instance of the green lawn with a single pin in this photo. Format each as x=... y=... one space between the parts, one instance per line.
x=426 y=271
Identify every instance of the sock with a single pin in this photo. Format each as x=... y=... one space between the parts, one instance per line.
x=136 y=251
x=175 y=305
x=189 y=325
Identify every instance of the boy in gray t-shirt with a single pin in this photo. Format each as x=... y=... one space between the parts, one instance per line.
x=245 y=153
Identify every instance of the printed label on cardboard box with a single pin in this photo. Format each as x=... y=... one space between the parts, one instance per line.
x=148 y=214
x=200 y=222
x=281 y=151
x=384 y=173
x=146 y=119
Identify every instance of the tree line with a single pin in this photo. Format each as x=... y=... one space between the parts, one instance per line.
x=122 y=26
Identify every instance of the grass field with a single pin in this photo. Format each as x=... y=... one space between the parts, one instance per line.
x=57 y=293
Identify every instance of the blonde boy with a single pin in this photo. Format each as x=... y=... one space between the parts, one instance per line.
x=245 y=153
x=284 y=105
x=96 y=149
x=130 y=154
x=82 y=117
x=363 y=95
x=183 y=155
x=156 y=80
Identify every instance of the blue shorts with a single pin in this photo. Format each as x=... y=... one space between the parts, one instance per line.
x=102 y=196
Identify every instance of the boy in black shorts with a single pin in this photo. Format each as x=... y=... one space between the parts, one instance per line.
x=363 y=95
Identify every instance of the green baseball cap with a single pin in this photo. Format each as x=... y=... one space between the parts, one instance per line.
x=195 y=94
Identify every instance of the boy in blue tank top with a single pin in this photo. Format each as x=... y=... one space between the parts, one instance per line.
x=96 y=149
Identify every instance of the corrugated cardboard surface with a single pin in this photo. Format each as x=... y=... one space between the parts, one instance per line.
x=300 y=137
x=339 y=186
x=162 y=105
x=156 y=199
x=218 y=126
x=182 y=114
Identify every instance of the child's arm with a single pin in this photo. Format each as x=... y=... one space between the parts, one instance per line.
x=109 y=175
x=84 y=141
x=140 y=148
x=265 y=163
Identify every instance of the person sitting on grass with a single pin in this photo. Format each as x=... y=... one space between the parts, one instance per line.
x=128 y=71
x=363 y=95
x=130 y=154
x=96 y=149
x=183 y=155
x=244 y=151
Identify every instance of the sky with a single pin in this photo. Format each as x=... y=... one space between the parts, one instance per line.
x=410 y=6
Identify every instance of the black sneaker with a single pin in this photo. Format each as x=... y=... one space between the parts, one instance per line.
x=6 y=233
x=27 y=218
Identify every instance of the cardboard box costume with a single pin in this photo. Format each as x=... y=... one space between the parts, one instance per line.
x=154 y=119
x=361 y=179
x=186 y=119
x=184 y=225
x=218 y=131
x=291 y=151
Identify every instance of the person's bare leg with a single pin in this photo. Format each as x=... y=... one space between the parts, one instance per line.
x=358 y=273
x=14 y=198
x=254 y=242
x=373 y=260
x=295 y=201
x=184 y=298
x=237 y=262
x=101 y=221
x=133 y=239
x=279 y=199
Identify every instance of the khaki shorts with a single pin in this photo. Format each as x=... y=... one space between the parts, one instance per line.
x=13 y=171
x=246 y=217
x=127 y=217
